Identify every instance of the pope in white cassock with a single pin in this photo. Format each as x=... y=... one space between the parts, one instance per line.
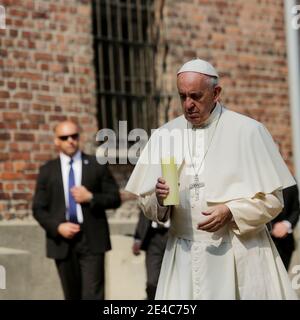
x=230 y=180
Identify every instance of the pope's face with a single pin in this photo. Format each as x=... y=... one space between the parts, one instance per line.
x=198 y=96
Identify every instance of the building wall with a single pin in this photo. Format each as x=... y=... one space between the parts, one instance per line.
x=46 y=75
x=245 y=41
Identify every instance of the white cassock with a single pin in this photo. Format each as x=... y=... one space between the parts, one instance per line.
x=243 y=169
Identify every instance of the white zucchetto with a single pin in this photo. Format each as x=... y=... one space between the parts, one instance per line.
x=200 y=66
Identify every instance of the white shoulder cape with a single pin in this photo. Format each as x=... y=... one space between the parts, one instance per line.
x=242 y=160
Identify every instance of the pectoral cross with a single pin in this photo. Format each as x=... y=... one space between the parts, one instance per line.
x=196 y=185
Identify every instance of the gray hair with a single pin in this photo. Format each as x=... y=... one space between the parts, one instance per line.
x=212 y=81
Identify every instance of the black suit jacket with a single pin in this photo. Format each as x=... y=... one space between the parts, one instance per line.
x=291 y=209
x=49 y=207
x=290 y=213
x=144 y=231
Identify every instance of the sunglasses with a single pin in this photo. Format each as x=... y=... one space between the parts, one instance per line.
x=74 y=136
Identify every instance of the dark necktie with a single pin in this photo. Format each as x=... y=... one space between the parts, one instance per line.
x=72 y=202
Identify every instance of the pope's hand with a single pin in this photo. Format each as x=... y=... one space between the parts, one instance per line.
x=81 y=194
x=161 y=190
x=280 y=230
x=218 y=216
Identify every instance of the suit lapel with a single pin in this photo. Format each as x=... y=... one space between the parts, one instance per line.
x=85 y=167
x=58 y=177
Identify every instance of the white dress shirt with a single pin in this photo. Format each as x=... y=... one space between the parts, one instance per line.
x=77 y=168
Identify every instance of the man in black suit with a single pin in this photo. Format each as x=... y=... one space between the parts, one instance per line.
x=151 y=238
x=284 y=223
x=71 y=196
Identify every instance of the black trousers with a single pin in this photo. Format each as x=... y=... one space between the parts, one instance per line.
x=285 y=249
x=81 y=273
x=154 y=256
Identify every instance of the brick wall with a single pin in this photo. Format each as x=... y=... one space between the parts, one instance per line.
x=46 y=75
x=245 y=41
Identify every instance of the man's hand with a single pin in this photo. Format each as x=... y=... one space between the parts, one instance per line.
x=81 y=194
x=161 y=190
x=136 y=247
x=68 y=229
x=280 y=230
x=218 y=216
